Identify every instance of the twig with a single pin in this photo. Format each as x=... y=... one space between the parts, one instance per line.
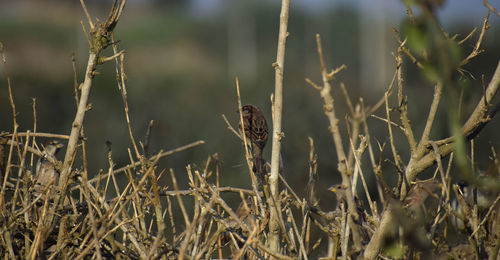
x=84 y=7
x=409 y=12
x=248 y=155
x=100 y=38
x=388 y=121
x=279 y=66
x=120 y=80
x=342 y=166
x=406 y=50
x=430 y=119
x=490 y=210
x=160 y=155
x=147 y=139
x=313 y=175
x=231 y=127
x=38 y=134
x=376 y=167
x=347 y=98
x=75 y=80
x=405 y=121
x=395 y=154
x=14 y=136
x=491 y=8
x=476 y=51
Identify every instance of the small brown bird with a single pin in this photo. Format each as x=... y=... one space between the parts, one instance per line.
x=46 y=172
x=246 y=212
x=255 y=128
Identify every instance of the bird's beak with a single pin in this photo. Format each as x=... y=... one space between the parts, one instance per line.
x=332 y=189
x=59 y=146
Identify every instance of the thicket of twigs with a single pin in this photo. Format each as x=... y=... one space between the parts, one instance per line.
x=74 y=217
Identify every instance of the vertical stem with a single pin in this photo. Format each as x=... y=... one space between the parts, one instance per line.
x=78 y=122
x=277 y=134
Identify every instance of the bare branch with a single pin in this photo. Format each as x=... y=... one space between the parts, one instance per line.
x=274 y=224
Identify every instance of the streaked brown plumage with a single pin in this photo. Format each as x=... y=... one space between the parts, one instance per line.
x=255 y=128
x=247 y=214
x=46 y=173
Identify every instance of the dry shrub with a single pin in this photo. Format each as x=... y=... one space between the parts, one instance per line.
x=72 y=216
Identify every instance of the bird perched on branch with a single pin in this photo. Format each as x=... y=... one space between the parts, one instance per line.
x=247 y=213
x=46 y=173
x=255 y=128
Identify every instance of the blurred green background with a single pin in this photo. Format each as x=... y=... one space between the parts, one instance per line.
x=182 y=58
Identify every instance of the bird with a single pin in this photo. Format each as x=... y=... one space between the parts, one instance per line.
x=247 y=214
x=46 y=173
x=255 y=129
